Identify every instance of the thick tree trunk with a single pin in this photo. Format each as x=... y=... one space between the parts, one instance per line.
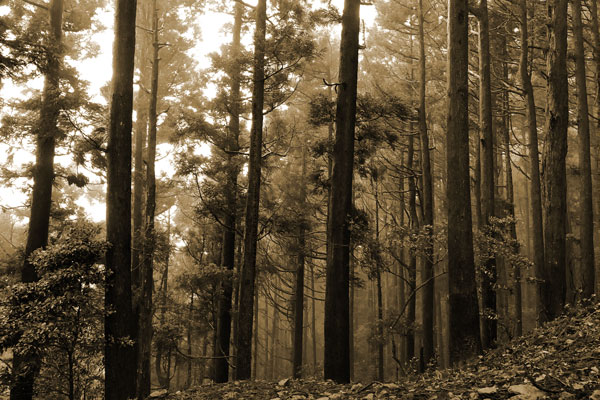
x=337 y=343
x=586 y=274
x=555 y=152
x=230 y=220
x=488 y=188
x=248 y=272
x=120 y=325
x=26 y=365
x=147 y=265
x=534 y=160
x=464 y=339
x=426 y=272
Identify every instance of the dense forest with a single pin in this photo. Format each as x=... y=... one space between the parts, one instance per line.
x=337 y=190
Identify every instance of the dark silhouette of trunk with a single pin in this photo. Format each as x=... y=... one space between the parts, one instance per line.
x=228 y=244
x=426 y=273
x=464 y=339
x=337 y=343
x=379 y=295
x=298 y=304
x=188 y=381
x=412 y=259
x=26 y=365
x=534 y=160
x=120 y=357
x=161 y=375
x=510 y=197
x=596 y=57
x=255 y=337
x=313 y=318
x=248 y=272
x=555 y=152
x=586 y=276
x=141 y=127
x=488 y=188
x=147 y=264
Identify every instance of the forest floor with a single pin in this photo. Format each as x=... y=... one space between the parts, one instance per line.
x=559 y=361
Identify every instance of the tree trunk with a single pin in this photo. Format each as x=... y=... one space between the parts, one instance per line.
x=426 y=273
x=248 y=273
x=26 y=365
x=299 y=287
x=162 y=376
x=488 y=188
x=510 y=197
x=147 y=265
x=464 y=340
x=188 y=381
x=337 y=343
x=586 y=274
x=536 y=189
x=555 y=181
x=120 y=325
x=412 y=259
x=228 y=250
x=379 y=294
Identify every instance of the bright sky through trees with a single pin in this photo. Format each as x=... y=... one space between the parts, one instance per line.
x=97 y=70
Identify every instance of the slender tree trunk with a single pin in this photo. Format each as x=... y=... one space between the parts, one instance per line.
x=299 y=287
x=248 y=272
x=464 y=340
x=162 y=376
x=337 y=342
x=412 y=259
x=228 y=251
x=26 y=365
x=274 y=331
x=255 y=338
x=147 y=265
x=587 y=274
x=188 y=381
x=313 y=318
x=510 y=196
x=596 y=55
x=426 y=293
x=379 y=295
x=120 y=357
x=555 y=152
x=536 y=188
x=488 y=188
x=141 y=128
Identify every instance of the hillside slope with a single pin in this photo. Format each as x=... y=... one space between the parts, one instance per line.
x=559 y=361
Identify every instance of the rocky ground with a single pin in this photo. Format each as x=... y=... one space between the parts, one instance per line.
x=560 y=361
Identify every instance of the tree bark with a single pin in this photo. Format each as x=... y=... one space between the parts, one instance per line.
x=555 y=181
x=248 y=272
x=586 y=274
x=510 y=197
x=299 y=286
x=426 y=273
x=26 y=365
x=230 y=220
x=534 y=160
x=120 y=356
x=464 y=339
x=147 y=264
x=337 y=343
x=488 y=188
